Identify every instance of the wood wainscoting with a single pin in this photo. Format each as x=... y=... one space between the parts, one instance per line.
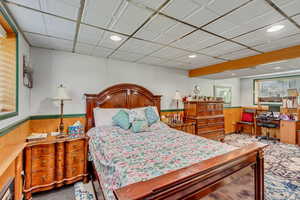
x=231 y=116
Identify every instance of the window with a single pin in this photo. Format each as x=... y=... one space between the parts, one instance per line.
x=272 y=90
x=8 y=68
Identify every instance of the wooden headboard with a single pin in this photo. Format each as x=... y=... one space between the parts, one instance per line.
x=119 y=96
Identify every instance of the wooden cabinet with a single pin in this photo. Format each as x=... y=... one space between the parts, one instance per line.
x=288 y=131
x=208 y=117
x=188 y=127
x=54 y=162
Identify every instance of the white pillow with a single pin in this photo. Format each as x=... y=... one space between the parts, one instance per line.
x=141 y=111
x=103 y=116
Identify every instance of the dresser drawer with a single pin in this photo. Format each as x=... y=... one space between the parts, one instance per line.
x=202 y=122
x=43 y=150
x=75 y=146
x=74 y=170
x=215 y=120
x=42 y=177
x=210 y=128
x=42 y=162
x=214 y=135
x=74 y=158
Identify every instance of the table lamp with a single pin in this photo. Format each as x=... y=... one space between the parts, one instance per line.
x=61 y=96
x=177 y=98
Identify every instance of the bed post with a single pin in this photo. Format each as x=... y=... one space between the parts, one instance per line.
x=259 y=176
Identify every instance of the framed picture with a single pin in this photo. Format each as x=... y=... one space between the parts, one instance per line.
x=223 y=92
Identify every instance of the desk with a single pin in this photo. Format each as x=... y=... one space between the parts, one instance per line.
x=258 y=129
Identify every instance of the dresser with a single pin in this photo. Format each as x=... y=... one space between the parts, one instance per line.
x=208 y=117
x=54 y=162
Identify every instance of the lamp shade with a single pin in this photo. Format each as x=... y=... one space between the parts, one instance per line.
x=61 y=94
x=177 y=96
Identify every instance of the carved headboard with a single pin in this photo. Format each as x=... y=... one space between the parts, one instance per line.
x=119 y=96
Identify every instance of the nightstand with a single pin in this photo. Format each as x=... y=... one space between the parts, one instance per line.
x=188 y=127
x=54 y=162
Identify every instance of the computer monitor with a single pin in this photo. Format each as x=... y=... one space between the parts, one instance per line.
x=274 y=108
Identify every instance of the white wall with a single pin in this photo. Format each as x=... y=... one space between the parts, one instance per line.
x=84 y=74
x=24 y=93
x=235 y=84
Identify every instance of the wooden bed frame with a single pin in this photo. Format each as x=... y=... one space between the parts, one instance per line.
x=187 y=182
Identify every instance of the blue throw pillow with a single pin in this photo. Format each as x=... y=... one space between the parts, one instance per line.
x=121 y=119
x=151 y=115
x=139 y=126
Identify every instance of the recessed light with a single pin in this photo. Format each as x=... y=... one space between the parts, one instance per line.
x=193 y=56
x=115 y=38
x=275 y=28
x=277 y=68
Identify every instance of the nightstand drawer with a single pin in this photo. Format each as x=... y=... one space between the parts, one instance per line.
x=42 y=162
x=73 y=171
x=74 y=158
x=42 y=178
x=43 y=150
x=75 y=146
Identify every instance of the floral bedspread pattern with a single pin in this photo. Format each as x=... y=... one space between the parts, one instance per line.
x=123 y=157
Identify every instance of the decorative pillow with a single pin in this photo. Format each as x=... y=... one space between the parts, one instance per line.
x=136 y=114
x=139 y=126
x=151 y=115
x=103 y=116
x=121 y=119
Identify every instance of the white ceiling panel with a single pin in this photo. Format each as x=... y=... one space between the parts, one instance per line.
x=100 y=13
x=29 y=3
x=37 y=40
x=291 y=8
x=201 y=17
x=180 y=8
x=297 y=18
x=159 y=24
x=58 y=44
x=248 y=12
x=239 y=54
x=207 y=61
x=197 y=40
x=169 y=53
x=262 y=36
x=220 y=26
x=101 y=51
x=60 y=28
x=126 y=56
x=108 y=43
x=131 y=19
x=175 y=64
x=150 y=3
x=89 y=35
x=147 y=34
x=140 y=47
x=28 y=20
x=65 y=8
x=282 y=2
x=221 y=7
x=152 y=60
x=83 y=48
x=222 y=48
x=197 y=60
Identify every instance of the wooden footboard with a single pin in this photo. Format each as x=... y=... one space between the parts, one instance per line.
x=187 y=182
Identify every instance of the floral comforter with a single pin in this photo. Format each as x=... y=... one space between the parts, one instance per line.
x=123 y=157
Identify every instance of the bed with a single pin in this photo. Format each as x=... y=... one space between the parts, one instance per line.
x=162 y=163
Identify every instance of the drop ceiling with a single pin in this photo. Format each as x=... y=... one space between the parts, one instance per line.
x=160 y=32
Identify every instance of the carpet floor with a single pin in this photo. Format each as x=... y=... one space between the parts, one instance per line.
x=282 y=177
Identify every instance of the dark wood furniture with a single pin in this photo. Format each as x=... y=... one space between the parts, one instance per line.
x=208 y=116
x=188 y=127
x=245 y=126
x=54 y=162
x=186 y=182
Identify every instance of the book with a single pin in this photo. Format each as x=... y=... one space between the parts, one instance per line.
x=36 y=136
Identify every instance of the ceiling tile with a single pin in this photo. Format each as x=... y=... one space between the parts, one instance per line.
x=108 y=43
x=66 y=8
x=85 y=49
x=200 y=58
x=175 y=64
x=221 y=7
x=169 y=53
x=58 y=44
x=152 y=60
x=282 y=2
x=150 y=3
x=37 y=40
x=138 y=46
x=297 y=19
x=220 y=26
x=197 y=40
x=126 y=56
x=207 y=61
x=159 y=24
x=29 y=3
x=88 y=34
x=147 y=34
x=248 y=12
x=262 y=36
x=100 y=13
x=35 y=24
x=101 y=51
x=222 y=48
x=201 y=17
x=239 y=54
x=180 y=8
x=131 y=19
x=60 y=28
x=291 y=8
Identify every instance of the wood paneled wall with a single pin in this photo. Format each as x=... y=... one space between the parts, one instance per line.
x=231 y=117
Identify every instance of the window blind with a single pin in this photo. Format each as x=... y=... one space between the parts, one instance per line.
x=8 y=74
